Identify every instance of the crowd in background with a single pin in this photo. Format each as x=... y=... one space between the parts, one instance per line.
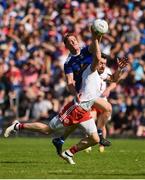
x=32 y=54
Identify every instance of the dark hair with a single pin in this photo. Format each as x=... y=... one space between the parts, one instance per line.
x=66 y=36
x=105 y=56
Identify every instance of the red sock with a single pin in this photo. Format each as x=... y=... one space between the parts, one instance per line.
x=21 y=126
x=74 y=149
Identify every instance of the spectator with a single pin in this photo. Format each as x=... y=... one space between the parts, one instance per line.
x=41 y=107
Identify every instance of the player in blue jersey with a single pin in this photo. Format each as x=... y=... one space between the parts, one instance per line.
x=77 y=61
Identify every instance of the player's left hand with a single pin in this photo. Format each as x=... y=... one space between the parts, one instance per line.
x=122 y=62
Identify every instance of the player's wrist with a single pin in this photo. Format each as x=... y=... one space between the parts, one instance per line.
x=120 y=69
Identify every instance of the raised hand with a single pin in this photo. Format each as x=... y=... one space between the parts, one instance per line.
x=96 y=35
x=122 y=62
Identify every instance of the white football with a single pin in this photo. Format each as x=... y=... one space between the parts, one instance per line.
x=100 y=26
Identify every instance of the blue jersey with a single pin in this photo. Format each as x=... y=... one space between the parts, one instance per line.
x=77 y=65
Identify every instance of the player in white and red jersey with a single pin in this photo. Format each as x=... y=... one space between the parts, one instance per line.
x=105 y=91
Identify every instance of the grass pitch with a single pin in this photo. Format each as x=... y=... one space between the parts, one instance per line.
x=36 y=158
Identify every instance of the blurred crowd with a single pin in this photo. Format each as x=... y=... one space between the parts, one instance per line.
x=32 y=54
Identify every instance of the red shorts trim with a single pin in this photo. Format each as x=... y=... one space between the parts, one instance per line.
x=73 y=114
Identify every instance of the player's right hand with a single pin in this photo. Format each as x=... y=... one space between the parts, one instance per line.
x=96 y=35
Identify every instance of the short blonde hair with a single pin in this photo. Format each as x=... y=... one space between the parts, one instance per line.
x=66 y=36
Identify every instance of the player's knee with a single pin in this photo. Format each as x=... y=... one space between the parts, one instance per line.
x=108 y=111
x=44 y=130
x=109 y=108
x=48 y=130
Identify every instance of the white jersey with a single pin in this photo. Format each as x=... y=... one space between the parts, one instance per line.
x=91 y=84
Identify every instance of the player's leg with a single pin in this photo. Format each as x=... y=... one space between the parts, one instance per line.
x=83 y=144
x=106 y=110
x=92 y=139
x=104 y=132
x=35 y=126
x=58 y=142
x=94 y=116
x=102 y=147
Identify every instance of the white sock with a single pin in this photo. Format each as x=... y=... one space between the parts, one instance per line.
x=17 y=126
x=69 y=153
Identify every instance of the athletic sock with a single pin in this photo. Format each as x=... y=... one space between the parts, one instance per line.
x=19 y=126
x=100 y=133
x=62 y=139
x=68 y=153
x=74 y=149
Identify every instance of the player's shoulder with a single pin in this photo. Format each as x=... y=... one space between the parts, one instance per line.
x=68 y=59
x=108 y=71
x=85 y=49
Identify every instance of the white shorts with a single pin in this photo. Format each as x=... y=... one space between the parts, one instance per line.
x=88 y=126
x=86 y=105
x=55 y=123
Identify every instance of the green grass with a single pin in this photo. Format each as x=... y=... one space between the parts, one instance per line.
x=36 y=158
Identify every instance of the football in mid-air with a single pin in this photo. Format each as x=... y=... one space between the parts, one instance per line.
x=100 y=26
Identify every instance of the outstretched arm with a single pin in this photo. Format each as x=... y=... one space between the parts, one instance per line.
x=95 y=50
x=122 y=63
x=94 y=35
